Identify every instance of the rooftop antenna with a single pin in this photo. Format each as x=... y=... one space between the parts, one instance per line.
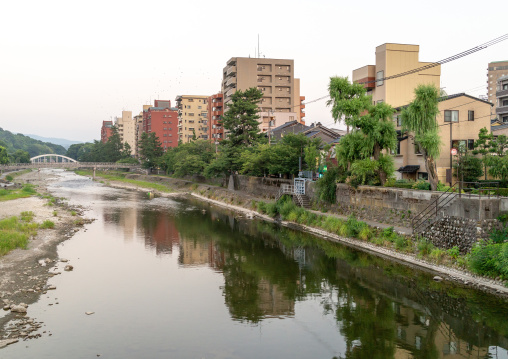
x=258 y=46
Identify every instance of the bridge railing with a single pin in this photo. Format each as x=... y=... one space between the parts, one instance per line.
x=69 y=164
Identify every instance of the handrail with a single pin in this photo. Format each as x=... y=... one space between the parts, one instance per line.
x=433 y=208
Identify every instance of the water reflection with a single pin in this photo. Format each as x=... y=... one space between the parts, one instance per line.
x=380 y=309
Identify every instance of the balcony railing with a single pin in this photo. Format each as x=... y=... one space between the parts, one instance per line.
x=231 y=70
x=501 y=93
x=502 y=110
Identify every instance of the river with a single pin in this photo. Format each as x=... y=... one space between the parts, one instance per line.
x=171 y=278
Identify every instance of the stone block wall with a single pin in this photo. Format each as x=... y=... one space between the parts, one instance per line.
x=448 y=232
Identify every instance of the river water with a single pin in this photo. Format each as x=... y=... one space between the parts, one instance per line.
x=182 y=279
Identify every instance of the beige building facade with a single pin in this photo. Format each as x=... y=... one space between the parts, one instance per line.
x=460 y=119
x=192 y=117
x=274 y=77
x=391 y=60
x=495 y=70
x=127 y=130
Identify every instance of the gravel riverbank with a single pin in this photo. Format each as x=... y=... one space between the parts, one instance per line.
x=25 y=272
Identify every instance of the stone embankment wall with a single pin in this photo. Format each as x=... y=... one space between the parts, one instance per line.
x=449 y=231
x=397 y=206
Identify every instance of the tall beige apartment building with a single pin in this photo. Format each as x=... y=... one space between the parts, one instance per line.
x=394 y=59
x=274 y=77
x=192 y=117
x=127 y=129
x=495 y=70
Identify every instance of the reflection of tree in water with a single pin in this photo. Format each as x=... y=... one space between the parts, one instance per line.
x=361 y=290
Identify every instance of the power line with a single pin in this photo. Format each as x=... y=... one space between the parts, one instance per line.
x=429 y=66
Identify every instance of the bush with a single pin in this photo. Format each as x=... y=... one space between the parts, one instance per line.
x=403 y=183
x=366 y=233
x=437 y=254
x=354 y=226
x=499 y=235
x=422 y=185
x=453 y=252
x=47 y=224
x=484 y=257
x=261 y=207
x=400 y=242
x=424 y=246
x=28 y=188
x=9 y=178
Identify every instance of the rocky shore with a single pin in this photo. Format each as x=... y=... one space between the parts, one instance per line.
x=25 y=273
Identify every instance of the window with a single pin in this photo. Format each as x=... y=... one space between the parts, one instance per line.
x=451 y=116
x=505 y=87
x=191 y=113
x=504 y=103
x=470 y=144
x=399 y=120
x=505 y=119
x=379 y=78
x=418 y=151
x=199 y=107
x=470 y=115
x=396 y=151
x=459 y=144
x=423 y=176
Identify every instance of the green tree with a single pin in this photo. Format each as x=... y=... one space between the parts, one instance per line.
x=188 y=159
x=150 y=150
x=419 y=117
x=74 y=149
x=240 y=122
x=4 y=156
x=467 y=167
x=372 y=129
x=20 y=156
x=482 y=146
x=126 y=152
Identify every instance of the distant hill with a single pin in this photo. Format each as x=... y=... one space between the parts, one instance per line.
x=34 y=147
x=57 y=141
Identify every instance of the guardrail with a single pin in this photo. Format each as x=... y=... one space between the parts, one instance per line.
x=14 y=166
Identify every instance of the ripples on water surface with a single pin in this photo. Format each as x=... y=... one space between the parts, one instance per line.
x=181 y=279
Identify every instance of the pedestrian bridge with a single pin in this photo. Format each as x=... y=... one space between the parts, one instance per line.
x=59 y=161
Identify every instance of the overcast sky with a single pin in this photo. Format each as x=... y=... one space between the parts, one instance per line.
x=65 y=66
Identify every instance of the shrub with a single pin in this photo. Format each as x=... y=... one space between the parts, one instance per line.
x=365 y=234
x=55 y=213
x=261 y=207
x=27 y=216
x=437 y=254
x=422 y=185
x=400 y=242
x=483 y=257
x=453 y=252
x=73 y=213
x=271 y=209
x=9 y=178
x=47 y=224
x=424 y=246
x=499 y=235
x=28 y=188
x=354 y=226
x=292 y=216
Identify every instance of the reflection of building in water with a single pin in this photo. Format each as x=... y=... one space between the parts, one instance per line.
x=194 y=253
x=162 y=235
x=125 y=217
x=422 y=333
x=273 y=302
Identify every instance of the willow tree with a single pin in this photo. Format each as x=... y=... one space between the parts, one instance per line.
x=372 y=130
x=419 y=117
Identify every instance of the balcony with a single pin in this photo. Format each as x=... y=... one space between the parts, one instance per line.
x=231 y=71
x=231 y=81
x=502 y=110
x=230 y=92
x=502 y=93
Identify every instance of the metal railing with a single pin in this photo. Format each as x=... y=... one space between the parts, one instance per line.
x=423 y=219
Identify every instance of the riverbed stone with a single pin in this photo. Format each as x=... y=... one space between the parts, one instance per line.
x=18 y=309
x=68 y=268
x=438 y=278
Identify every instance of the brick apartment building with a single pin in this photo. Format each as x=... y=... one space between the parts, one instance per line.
x=162 y=120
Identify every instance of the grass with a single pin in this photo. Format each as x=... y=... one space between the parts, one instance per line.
x=354 y=228
x=73 y=213
x=47 y=224
x=16 y=231
x=27 y=190
x=121 y=178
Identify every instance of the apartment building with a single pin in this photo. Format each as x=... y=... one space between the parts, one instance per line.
x=495 y=70
x=162 y=119
x=394 y=59
x=274 y=77
x=106 y=130
x=215 y=110
x=192 y=117
x=460 y=119
x=502 y=99
x=127 y=129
